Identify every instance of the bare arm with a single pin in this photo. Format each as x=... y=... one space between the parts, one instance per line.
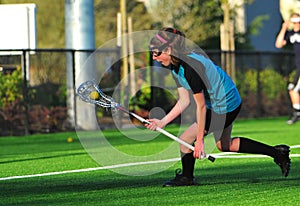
x=280 y=42
x=182 y=103
x=201 y=119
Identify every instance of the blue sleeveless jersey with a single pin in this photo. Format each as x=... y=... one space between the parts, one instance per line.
x=221 y=94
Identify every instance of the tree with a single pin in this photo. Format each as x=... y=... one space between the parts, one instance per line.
x=199 y=19
x=106 y=18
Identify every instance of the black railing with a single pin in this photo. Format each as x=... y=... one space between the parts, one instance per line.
x=260 y=76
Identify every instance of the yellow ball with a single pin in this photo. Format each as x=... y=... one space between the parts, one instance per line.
x=70 y=139
x=94 y=95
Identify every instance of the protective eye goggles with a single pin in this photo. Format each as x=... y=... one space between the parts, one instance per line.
x=157 y=51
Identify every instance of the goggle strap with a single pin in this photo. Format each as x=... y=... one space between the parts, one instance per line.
x=161 y=39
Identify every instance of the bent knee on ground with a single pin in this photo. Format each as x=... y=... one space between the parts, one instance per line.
x=228 y=146
x=223 y=148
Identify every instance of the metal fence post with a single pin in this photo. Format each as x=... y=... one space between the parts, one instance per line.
x=24 y=59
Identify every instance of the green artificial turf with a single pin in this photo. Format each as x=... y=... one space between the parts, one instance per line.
x=46 y=169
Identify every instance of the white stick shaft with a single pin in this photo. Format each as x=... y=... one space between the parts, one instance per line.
x=141 y=119
x=212 y=159
x=175 y=138
x=144 y=121
x=165 y=132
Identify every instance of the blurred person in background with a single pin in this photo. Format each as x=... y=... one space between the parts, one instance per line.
x=292 y=36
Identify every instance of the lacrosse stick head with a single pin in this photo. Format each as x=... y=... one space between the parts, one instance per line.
x=90 y=92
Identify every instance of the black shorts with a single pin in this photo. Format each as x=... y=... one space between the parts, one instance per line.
x=217 y=122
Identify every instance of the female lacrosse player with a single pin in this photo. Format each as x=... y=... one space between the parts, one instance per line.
x=217 y=104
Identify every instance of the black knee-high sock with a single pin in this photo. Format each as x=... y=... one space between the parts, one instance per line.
x=188 y=163
x=254 y=147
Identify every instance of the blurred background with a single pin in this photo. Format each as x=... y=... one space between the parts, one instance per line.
x=40 y=62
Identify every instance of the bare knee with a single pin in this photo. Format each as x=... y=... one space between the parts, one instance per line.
x=228 y=146
x=184 y=149
x=222 y=147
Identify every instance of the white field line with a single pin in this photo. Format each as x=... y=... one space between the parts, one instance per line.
x=295 y=146
x=229 y=155
x=90 y=169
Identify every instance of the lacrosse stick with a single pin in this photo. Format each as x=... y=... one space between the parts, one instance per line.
x=90 y=92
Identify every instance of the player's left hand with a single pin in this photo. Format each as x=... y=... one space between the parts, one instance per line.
x=199 y=150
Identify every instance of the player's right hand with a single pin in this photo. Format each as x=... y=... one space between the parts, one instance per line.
x=154 y=124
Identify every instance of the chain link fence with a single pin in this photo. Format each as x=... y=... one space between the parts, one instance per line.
x=34 y=84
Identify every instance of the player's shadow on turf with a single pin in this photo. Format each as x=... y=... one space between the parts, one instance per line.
x=254 y=172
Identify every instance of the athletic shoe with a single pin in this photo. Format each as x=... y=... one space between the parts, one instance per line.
x=292 y=120
x=180 y=180
x=282 y=159
x=295 y=117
